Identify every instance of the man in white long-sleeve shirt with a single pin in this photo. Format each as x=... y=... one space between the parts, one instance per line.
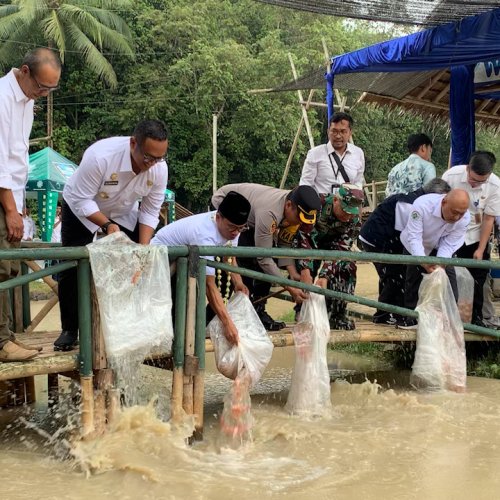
x=436 y=226
x=103 y=193
x=337 y=162
x=37 y=76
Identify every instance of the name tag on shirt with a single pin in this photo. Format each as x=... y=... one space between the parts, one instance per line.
x=111 y=183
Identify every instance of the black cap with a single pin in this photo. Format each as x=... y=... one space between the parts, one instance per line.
x=307 y=200
x=235 y=208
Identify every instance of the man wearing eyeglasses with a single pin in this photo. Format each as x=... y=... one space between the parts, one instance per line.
x=103 y=193
x=221 y=227
x=337 y=162
x=38 y=75
x=483 y=187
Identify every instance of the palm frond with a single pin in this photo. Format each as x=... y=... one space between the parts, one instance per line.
x=7 y=10
x=92 y=57
x=101 y=35
x=54 y=32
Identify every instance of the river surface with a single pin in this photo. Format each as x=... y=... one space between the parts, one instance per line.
x=381 y=440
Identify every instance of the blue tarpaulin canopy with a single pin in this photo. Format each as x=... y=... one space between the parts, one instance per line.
x=459 y=45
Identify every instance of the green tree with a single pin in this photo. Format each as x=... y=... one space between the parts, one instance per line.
x=86 y=27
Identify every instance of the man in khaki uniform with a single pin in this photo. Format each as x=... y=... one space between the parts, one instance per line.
x=275 y=213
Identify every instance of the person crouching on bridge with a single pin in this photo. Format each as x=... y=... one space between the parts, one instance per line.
x=272 y=211
x=336 y=228
x=436 y=226
x=220 y=227
x=102 y=193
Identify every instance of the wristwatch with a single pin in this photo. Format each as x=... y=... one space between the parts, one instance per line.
x=105 y=226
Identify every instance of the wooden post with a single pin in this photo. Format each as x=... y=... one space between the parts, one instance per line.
x=113 y=405
x=190 y=364
x=87 y=385
x=374 y=195
x=18 y=310
x=103 y=383
x=214 y=152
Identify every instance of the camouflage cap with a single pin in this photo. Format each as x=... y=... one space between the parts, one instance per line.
x=351 y=198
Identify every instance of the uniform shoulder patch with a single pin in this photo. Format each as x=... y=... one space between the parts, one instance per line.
x=415 y=215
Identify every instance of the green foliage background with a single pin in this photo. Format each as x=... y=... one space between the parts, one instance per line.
x=196 y=58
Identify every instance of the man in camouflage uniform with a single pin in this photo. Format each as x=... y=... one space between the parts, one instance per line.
x=336 y=228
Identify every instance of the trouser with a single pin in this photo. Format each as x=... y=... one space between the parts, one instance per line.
x=75 y=234
x=479 y=275
x=414 y=275
x=8 y=269
x=258 y=289
x=391 y=278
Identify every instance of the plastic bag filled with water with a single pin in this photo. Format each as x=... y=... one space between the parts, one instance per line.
x=440 y=361
x=254 y=349
x=133 y=289
x=309 y=393
x=465 y=284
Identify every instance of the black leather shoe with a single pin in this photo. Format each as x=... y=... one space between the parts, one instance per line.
x=269 y=323
x=342 y=323
x=67 y=341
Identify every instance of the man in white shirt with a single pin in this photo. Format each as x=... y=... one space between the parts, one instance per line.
x=414 y=172
x=103 y=193
x=37 y=76
x=29 y=227
x=220 y=227
x=483 y=187
x=436 y=226
x=337 y=162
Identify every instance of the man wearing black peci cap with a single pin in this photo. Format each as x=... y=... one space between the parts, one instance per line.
x=220 y=227
x=276 y=214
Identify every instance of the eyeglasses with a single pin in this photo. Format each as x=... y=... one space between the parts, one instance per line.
x=335 y=132
x=476 y=181
x=43 y=88
x=234 y=227
x=149 y=159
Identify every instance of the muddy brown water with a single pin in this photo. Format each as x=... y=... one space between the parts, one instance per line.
x=381 y=441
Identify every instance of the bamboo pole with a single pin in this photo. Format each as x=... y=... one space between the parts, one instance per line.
x=199 y=378
x=47 y=279
x=42 y=313
x=189 y=366
x=179 y=339
x=87 y=387
x=113 y=405
x=214 y=152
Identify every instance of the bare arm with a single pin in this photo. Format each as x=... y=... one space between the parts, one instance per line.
x=484 y=236
x=217 y=304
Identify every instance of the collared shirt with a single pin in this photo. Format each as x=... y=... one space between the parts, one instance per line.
x=319 y=173
x=56 y=231
x=410 y=175
x=385 y=223
x=199 y=229
x=16 y=120
x=484 y=199
x=28 y=228
x=105 y=182
x=426 y=229
x=265 y=217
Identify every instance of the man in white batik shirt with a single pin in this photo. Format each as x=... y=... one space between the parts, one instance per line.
x=104 y=193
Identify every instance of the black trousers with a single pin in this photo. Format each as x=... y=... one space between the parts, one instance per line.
x=479 y=275
x=257 y=288
x=75 y=234
x=414 y=275
x=391 y=278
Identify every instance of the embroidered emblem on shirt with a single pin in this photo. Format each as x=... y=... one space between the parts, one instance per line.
x=103 y=195
x=273 y=227
x=415 y=215
x=114 y=176
x=149 y=183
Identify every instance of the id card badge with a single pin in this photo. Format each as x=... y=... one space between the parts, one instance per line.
x=477 y=218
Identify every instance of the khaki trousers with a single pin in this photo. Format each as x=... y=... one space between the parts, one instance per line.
x=8 y=269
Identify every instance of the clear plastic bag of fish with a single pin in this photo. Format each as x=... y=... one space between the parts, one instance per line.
x=465 y=284
x=254 y=349
x=309 y=393
x=440 y=362
x=132 y=283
